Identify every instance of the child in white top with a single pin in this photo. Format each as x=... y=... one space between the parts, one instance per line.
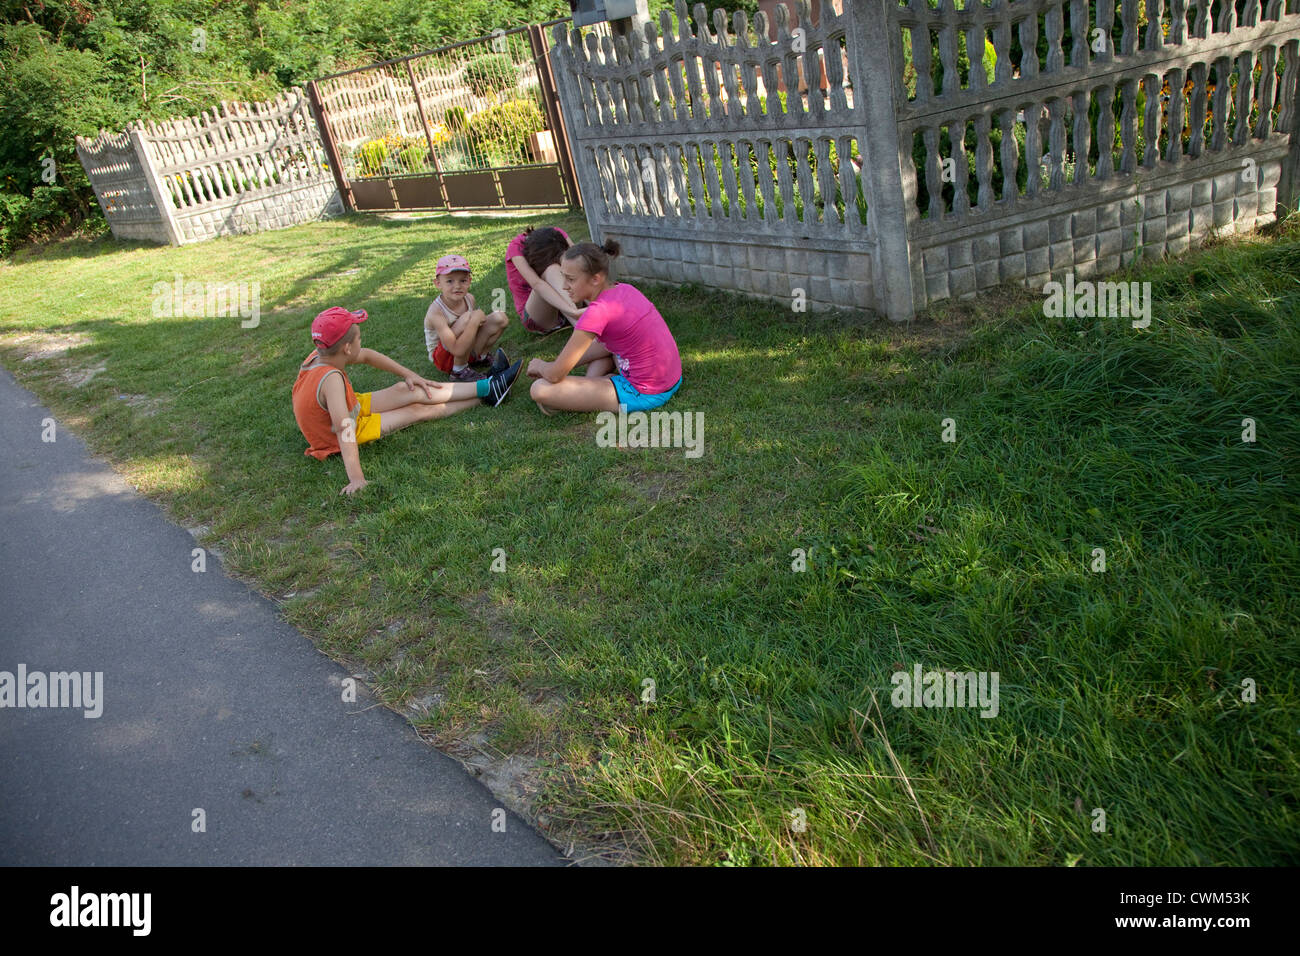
x=457 y=334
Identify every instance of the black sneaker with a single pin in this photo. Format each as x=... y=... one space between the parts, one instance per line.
x=499 y=385
x=500 y=362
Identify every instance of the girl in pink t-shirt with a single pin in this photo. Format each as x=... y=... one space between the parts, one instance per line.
x=631 y=357
x=533 y=275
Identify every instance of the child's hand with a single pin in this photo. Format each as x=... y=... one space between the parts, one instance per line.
x=353 y=487
x=537 y=368
x=414 y=381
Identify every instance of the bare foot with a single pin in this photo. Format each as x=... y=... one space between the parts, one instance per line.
x=545 y=410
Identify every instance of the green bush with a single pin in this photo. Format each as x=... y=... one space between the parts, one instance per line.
x=414 y=155
x=491 y=74
x=456 y=119
x=371 y=157
x=499 y=135
x=390 y=155
x=13 y=220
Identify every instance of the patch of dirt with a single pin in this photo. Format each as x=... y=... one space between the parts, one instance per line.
x=949 y=326
x=146 y=405
x=514 y=779
x=425 y=704
x=79 y=377
x=38 y=346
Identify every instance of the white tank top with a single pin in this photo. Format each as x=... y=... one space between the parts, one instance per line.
x=431 y=339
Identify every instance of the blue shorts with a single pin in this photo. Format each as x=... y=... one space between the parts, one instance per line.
x=637 y=402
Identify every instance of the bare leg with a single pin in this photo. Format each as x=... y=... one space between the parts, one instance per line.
x=397 y=418
x=575 y=394
x=490 y=333
x=541 y=311
x=594 y=351
x=401 y=394
x=457 y=328
x=598 y=359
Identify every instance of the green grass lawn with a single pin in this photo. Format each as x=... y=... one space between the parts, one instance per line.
x=772 y=737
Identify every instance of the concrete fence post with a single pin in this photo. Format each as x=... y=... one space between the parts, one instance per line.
x=889 y=178
x=160 y=195
x=1288 y=189
x=564 y=59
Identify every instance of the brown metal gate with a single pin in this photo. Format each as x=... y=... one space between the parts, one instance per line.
x=472 y=125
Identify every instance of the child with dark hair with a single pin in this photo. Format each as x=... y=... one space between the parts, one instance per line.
x=631 y=357
x=533 y=274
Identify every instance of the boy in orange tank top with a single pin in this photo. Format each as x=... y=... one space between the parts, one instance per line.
x=333 y=418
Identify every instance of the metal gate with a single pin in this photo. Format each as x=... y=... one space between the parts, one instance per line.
x=472 y=125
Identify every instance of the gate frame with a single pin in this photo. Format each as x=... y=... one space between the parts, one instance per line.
x=539 y=45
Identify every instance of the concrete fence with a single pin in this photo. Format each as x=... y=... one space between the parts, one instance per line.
x=948 y=150
x=243 y=167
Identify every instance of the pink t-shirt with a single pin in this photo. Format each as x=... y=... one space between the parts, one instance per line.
x=631 y=327
x=519 y=287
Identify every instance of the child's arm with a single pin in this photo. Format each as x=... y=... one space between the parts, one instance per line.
x=345 y=426
x=556 y=371
x=381 y=361
x=554 y=296
x=453 y=343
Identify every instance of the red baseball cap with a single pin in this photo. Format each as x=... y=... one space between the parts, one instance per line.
x=332 y=324
x=452 y=263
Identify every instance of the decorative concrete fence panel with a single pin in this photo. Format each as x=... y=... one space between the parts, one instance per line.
x=243 y=167
x=696 y=153
x=949 y=149
x=1123 y=140
x=123 y=187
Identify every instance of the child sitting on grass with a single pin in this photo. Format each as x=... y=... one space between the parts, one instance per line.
x=533 y=274
x=631 y=357
x=457 y=334
x=333 y=418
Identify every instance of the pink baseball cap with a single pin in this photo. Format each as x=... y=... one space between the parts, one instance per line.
x=452 y=263
x=332 y=324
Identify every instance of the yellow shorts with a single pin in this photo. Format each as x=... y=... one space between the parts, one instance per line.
x=368 y=425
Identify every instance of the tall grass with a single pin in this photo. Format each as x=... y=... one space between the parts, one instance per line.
x=771 y=736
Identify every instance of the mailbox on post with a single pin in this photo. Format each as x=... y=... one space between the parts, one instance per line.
x=587 y=12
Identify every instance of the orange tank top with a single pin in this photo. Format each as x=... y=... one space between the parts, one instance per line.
x=309 y=406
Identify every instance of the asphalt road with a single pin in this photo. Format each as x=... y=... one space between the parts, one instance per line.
x=214 y=711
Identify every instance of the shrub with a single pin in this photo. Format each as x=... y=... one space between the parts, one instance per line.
x=371 y=157
x=414 y=155
x=393 y=155
x=499 y=134
x=490 y=74
x=456 y=119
